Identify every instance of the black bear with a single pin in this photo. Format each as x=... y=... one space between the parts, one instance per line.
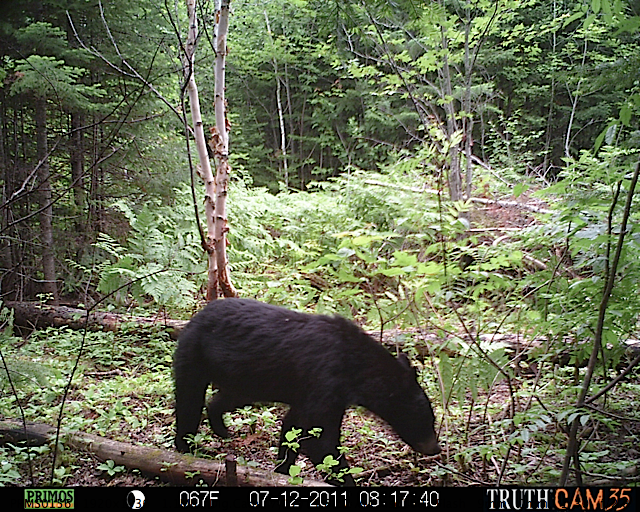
x=319 y=365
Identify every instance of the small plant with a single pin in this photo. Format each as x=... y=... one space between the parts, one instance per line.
x=252 y=417
x=328 y=465
x=62 y=473
x=292 y=441
x=110 y=468
x=9 y=474
x=166 y=466
x=294 y=472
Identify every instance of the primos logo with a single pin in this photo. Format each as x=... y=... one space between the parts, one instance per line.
x=49 y=498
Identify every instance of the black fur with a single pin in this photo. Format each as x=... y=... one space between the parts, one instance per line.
x=319 y=365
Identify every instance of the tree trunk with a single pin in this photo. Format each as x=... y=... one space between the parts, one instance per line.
x=221 y=152
x=76 y=160
x=3 y=155
x=46 y=215
x=95 y=202
x=283 y=139
x=7 y=275
x=548 y=158
x=466 y=108
x=574 y=104
x=33 y=315
x=455 y=178
x=201 y=145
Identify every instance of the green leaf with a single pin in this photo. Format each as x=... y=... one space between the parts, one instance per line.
x=625 y=114
x=600 y=139
x=345 y=252
x=292 y=434
x=404 y=259
x=348 y=277
x=519 y=189
x=588 y=21
x=294 y=470
x=391 y=272
x=363 y=240
x=610 y=134
x=572 y=18
x=329 y=461
x=631 y=25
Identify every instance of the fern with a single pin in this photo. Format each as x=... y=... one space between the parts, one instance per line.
x=471 y=370
x=161 y=260
x=24 y=372
x=21 y=370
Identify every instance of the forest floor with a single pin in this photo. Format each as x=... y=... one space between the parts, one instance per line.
x=372 y=445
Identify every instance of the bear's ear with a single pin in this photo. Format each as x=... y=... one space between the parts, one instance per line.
x=404 y=360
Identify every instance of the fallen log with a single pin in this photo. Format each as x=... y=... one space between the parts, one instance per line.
x=481 y=200
x=35 y=315
x=169 y=466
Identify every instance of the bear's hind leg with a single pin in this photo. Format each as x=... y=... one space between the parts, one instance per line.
x=223 y=401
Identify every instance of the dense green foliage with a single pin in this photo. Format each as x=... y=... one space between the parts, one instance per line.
x=387 y=108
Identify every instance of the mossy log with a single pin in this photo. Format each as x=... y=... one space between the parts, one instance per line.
x=169 y=466
x=34 y=315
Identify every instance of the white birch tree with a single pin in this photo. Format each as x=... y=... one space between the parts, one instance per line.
x=283 y=140
x=220 y=146
x=215 y=187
